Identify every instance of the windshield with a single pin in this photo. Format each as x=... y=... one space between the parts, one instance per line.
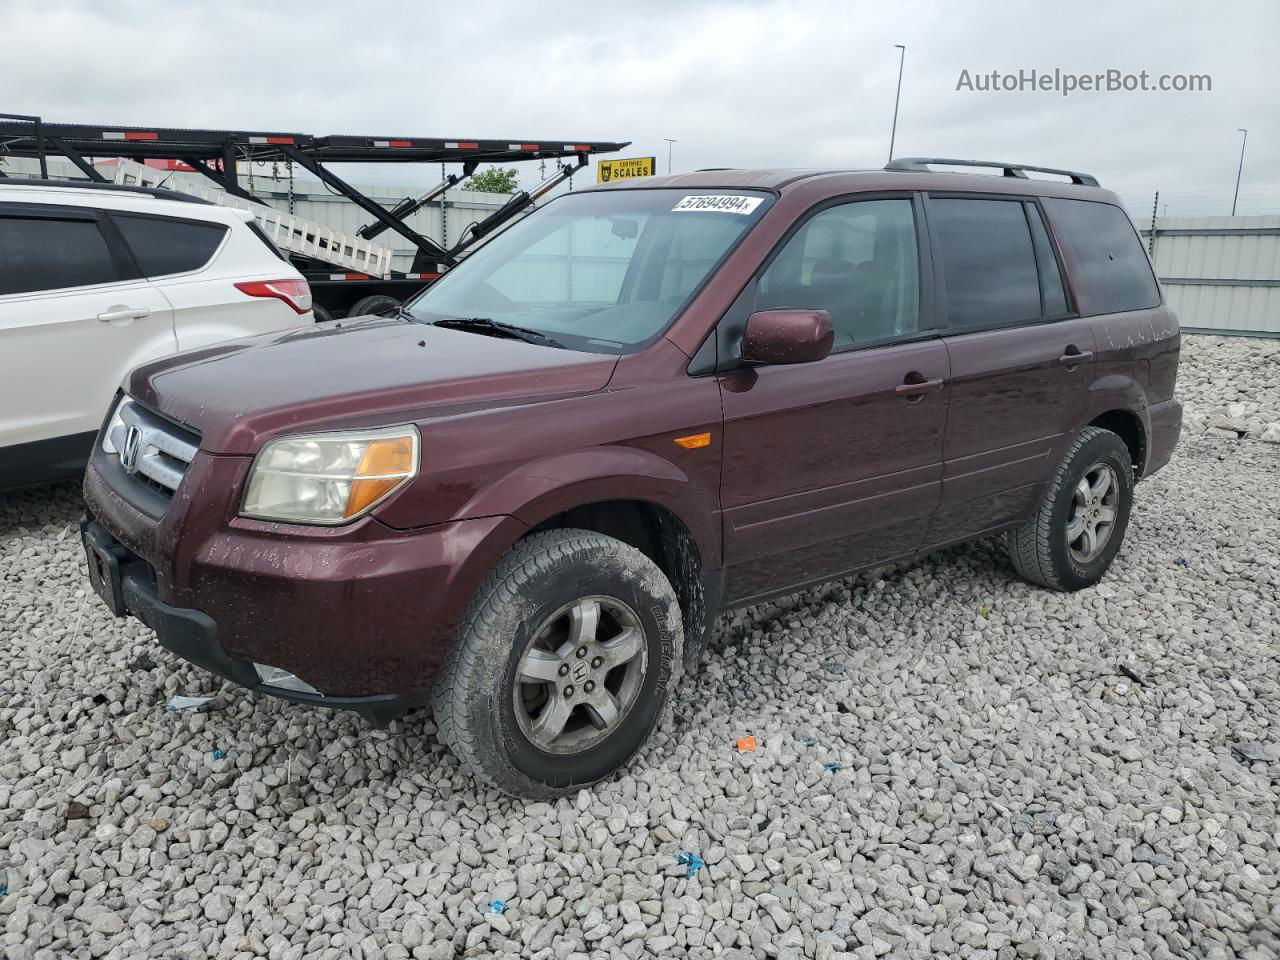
x=606 y=272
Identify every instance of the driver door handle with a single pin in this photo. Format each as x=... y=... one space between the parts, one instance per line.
x=917 y=388
x=1071 y=359
x=126 y=313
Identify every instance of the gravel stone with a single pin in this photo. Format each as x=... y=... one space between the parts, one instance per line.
x=1020 y=773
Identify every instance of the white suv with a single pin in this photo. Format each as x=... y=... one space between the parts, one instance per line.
x=95 y=280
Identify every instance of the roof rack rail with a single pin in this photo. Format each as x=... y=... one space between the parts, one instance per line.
x=921 y=165
x=161 y=193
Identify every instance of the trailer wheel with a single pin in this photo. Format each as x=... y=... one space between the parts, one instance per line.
x=378 y=303
x=320 y=313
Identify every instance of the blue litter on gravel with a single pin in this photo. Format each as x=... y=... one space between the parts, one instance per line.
x=832 y=767
x=497 y=906
x=218 y=754
x=691 y=861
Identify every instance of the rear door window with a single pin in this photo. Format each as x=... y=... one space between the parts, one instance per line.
x=1110 y=269
x=163 y=246
x=988 y=262
x=46 y=253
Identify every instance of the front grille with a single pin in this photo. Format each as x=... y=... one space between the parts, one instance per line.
x=154 y=451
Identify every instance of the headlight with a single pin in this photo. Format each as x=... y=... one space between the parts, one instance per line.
x=329 y=477
x=115 y=427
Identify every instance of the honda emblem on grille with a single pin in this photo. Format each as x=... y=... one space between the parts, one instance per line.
x=132 y=447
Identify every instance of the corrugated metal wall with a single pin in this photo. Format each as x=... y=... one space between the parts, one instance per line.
x=1221 y=274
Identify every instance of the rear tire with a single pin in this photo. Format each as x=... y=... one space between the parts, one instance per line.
x=375 y=304
x=1081 y=522
x=320 y=314
x=562 y=664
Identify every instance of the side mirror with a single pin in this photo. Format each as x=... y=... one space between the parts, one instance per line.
x=787 y=336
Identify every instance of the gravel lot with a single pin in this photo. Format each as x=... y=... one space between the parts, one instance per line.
x=950 y=763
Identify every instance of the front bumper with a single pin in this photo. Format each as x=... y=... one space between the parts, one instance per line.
x=354 y=612
x=193 y=636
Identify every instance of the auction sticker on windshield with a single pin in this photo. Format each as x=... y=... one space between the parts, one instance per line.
x=718 y=203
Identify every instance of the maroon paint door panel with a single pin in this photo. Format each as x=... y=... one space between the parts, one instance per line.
x=1014 y=402
x=1019 y=363
x=828 y=466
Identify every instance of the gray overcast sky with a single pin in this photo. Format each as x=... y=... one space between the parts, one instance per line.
x=738 y=84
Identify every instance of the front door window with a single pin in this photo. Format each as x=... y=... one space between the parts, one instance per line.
x=858 y=261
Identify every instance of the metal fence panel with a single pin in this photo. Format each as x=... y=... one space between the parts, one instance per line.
x=1221 y=274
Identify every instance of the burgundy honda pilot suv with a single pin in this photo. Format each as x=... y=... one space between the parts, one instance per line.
x=526 y=495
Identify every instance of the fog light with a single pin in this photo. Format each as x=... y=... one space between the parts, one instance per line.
x=276 y=677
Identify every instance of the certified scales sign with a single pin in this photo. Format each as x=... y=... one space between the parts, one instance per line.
x=609 y=170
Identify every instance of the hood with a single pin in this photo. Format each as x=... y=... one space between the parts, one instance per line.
x=350 y=373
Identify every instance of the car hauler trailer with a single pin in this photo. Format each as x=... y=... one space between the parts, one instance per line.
x=348 y=273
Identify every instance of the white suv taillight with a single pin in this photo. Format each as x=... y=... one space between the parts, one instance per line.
x=295 y=293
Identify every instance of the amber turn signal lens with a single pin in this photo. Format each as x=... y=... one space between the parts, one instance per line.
x=694 y=440
x=382 y=468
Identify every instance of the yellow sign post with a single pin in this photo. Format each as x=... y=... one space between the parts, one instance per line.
x=609 y=170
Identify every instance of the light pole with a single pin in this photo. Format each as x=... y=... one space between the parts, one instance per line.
x=669 y=143
x=896 y=97
x=1239 y=169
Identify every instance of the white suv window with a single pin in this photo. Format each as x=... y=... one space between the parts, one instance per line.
x=162 y=246
x=49 y=253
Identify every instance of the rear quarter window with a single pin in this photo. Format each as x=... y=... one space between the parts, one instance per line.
x=1111 y=272
x=163 y=246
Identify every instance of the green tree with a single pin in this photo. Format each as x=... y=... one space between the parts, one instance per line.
x=493 y=180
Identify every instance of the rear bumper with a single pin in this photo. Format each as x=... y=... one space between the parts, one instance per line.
x=193 y=636
x=1165 y=419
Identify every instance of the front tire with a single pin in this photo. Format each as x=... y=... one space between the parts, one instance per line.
x=562 y=664
x=1081 y=522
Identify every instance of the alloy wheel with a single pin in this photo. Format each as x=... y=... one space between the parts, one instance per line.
x=1094 y=504
x=580 y=675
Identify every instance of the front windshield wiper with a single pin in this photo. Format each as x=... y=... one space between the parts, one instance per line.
x=498 y=328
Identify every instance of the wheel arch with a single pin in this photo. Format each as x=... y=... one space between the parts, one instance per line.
x=1118 y=403
x=1128 y=426
x=661 y=535
x=536 y=491
x=635 y=496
